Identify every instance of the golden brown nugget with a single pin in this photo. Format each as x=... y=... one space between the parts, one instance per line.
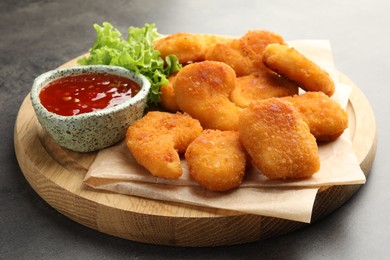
x=230 y=54
x=278 y=140
x=298 y=68
x=325 y=117
x=253 y=44
x=212 y=39
x=187 y=47
x=261 y=85
x=156 y=139
x=168 y=97
x=244 y=55
x=216 y=160
x=202 y=90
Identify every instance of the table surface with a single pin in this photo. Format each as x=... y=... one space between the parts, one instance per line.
x=36 y=36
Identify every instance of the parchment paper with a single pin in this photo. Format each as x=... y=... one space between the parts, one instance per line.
x=115 y=169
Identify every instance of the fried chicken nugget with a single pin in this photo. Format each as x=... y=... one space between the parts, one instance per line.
x=202 y=90
x=298 y=68
x=230 y=54
x=216 y=160
x=156 y=139
x=325 y=117
x=244 y=55
x=168 y=97
x=261 y=85
x=187 y=47
x=253 y=44
x=278 y=140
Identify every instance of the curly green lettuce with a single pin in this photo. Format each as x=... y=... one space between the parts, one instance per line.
x=136 y=53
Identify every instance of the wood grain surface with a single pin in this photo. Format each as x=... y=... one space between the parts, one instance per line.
x=56 y=174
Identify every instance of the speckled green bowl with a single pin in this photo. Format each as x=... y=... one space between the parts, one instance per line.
x=95 y=130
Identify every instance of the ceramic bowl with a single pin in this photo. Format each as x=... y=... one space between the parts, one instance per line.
x=94 y=130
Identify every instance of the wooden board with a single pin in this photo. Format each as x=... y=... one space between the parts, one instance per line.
x=56 y=174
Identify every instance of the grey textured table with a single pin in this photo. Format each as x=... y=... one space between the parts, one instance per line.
x=36 y=36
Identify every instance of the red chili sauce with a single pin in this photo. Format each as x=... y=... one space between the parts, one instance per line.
x=85 y=93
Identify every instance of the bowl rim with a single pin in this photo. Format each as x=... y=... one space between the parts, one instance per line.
x=45 y=78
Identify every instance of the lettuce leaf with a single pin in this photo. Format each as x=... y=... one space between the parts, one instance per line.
x=135 y=53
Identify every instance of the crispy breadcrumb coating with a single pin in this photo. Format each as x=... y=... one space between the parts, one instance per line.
x=188 y=47
x=278 y=140
x=216 y=160
x=261 y=85
x=325 y=117
x=244 y=55
x=202 y=90
x=156 y=139
x=168 y=97
x=298 y=68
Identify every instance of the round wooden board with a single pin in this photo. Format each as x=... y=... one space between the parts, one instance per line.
x=56 y=174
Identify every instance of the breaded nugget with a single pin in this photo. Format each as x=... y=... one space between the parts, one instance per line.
x=156 y=139
x=244 y=55
x=261 y=85
x=254 y=42
x=187 y=47
x=278 y=140
x=202 y=90
x=230 y=54
x=212 y=39
x=216 y=160
x=168 y=97
x=298 y=68
x=325 y=118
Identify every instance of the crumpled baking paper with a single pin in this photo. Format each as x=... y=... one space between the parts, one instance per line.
x=114 y=169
